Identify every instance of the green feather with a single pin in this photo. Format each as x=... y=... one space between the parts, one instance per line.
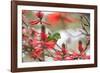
x=54 y=36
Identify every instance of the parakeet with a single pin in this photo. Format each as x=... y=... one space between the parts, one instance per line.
x=54 y=36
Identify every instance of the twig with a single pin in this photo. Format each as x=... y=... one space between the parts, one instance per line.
x=83 y=26
x=87 y=20
x=24 y=20
x=49 y=53
x=87 y=44
x=58 y=46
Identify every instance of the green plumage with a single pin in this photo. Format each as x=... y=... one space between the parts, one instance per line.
x=54 y=36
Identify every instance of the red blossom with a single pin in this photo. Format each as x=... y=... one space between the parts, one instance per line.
x=36 y=53
x=39 y=14
x=68 y=58
x=54 y=18
x=80 y=46
x=58 y=53
x=64 y=50
x=58 y=57
x=50 y=44
x=34 y=22
x=34 y=42
x=75 y=55
x=43 y=35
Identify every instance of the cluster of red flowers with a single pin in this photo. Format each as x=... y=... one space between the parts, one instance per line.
x=65 y=55
x=38 y=41
x=35 y=42
x=59 y=55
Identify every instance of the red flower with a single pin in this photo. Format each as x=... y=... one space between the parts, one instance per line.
x=58 y=53
x=34 y=22
x=39 y=14
x=37 y=53
x=34 y=42
x=80 y=46
x=64 y=50
x=50 y=44
x=75 y=55
x=69 y=58
x=58 y=57
x=54 y=18
x=43 y=35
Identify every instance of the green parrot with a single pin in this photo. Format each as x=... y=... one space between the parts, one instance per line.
x=54 y=36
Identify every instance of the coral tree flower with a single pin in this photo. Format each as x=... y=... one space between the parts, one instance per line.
x=69 y=58
x=55 y=17
x=43 y=35
x=58 y=58
x=34 y=22
x=64 y=50
x=61 y=55
x=80 y=46
x=34 y=42
x=39 y=14
x=36 y=53
x=75 y=55
x=50 y=44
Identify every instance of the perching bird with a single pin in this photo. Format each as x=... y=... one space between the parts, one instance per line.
x=54 y=36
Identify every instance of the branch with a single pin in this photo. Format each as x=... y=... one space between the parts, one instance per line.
x=82 y=24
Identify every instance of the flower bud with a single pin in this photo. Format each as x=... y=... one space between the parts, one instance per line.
x=39 y=14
